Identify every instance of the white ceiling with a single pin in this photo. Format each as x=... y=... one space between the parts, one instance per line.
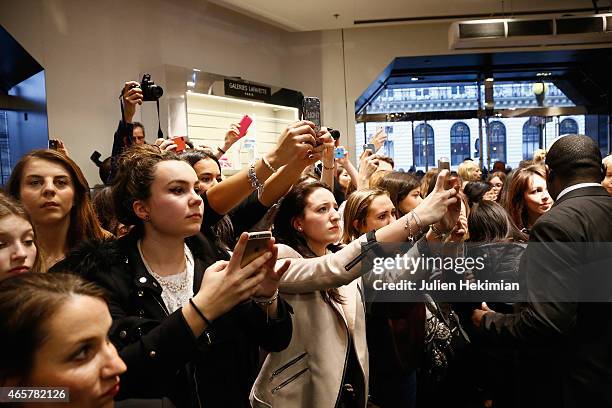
x=308 y=15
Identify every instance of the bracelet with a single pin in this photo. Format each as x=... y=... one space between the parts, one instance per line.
x=221 y=150
x=198 y=311
x=268 y=165
x=409 y=228
x=264 y=300
x=329 y=168
x=255 y=183
x=417 y=219
x=439 y=234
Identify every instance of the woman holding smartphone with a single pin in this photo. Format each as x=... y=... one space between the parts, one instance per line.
x=182 y=322
x=326 y=363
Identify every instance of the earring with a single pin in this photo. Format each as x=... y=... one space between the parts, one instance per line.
x=300 y=229
x=147 y=218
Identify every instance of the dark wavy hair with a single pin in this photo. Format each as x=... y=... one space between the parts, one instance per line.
x=83 y=221
x=398 y=185
x=489 y=222
x=133 y=181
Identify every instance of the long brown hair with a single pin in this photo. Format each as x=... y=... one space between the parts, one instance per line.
x=83 y=221
x=489 y=222
x=515 y=199
x=8 y=206
x=398 y=185
x=27 y=302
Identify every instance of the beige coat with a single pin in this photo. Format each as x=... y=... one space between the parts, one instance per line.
x=309 y=372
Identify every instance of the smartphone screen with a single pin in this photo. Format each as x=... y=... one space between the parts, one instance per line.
x=311 y=110
x=339 y=153
x=245 y=122
x=258 y=243
x=443 y=163
x=370 y=146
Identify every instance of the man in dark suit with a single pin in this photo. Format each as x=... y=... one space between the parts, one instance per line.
x=564 y=329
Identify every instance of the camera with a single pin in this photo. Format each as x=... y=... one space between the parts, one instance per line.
x=335 y=133
x=150 y=91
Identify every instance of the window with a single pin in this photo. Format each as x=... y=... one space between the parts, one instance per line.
x=497 y=141
x=423 y=146
x=531 y=139
x=568 y=126
x=460 y=142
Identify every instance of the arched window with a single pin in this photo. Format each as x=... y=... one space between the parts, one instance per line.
x=423 y=146
x=531 y=139
x=497 y=141
x=460 y=142
x=568 y=127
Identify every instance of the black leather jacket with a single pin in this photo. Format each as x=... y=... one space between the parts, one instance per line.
x=163 y=357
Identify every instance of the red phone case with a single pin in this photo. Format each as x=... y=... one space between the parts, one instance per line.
x=245 y=122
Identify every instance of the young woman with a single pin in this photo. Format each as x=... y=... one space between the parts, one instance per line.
x=326 y=364
x=18 y=251
x=369 y=210
x=496 y=180
x=55 y=194
x=55 y=334
x=186 y=334
x=404 y=190
x=528 y=197
x=607 y=181
x=476 y=191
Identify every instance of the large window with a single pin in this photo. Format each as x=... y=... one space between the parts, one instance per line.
x=531 y=139
x=497 y=141
x=460 y=142
x=568 y=127
x=423 y=146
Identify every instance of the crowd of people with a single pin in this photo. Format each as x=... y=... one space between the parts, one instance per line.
x=137 y=294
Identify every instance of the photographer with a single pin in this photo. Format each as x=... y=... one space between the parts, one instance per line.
x=128 y=133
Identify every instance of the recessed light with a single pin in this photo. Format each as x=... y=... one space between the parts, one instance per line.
x=490 y=79
x=414 y=78
x=197 y=70
x=190 y=84
x=544 y=74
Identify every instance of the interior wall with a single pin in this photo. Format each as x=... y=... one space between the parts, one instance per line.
x=90 y=48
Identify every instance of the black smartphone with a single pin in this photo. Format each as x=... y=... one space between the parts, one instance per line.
x=311 y=110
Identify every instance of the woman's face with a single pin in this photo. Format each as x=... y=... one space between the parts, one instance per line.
x=77 y=354
x=607 y=181
x=208 y=174
x=175 y=206
x=320 y=223
x=46 y=191
x=411 y=201
x=381 y=212
x=344 y=179
x=496 y=186
x=17 y=249
x=536 y=197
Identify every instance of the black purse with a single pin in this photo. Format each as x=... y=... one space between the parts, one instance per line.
x=444 y=339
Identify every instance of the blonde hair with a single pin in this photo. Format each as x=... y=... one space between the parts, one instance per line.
x=467 y=169
x=377 y=177
x=539 y=156
x=356 y=209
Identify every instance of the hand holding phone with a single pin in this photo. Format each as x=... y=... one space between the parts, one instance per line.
x=258 y=243
x=311 y=110
x=370 y=147
x=339 y=152
x=245 y=123
x=179 y=141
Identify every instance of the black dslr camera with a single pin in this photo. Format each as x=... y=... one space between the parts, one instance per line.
x=150 y=91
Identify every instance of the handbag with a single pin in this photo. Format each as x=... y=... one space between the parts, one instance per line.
x=444 y=338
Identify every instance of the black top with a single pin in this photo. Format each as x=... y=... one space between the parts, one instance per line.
x=163 y=357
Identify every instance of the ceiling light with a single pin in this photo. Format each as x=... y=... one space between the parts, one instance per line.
x=190 y=84
x=544 y=74
x=490 y=79
x=197 y=70
x=414 y=78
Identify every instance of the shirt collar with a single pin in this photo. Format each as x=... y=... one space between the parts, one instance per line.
x=576 y=187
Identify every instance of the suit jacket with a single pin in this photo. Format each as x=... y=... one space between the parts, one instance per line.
x=565 y=343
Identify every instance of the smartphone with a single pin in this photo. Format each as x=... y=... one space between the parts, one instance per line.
x=443 y=163
x=258 y=243
x=53 y=144
x=180 y=143
x=370 y=146
x=311 y=110
x=339 y=152
x=245 y=122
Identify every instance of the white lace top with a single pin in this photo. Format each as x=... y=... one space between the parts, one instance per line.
x=176 y=288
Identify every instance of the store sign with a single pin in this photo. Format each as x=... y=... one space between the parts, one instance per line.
x=243 y=90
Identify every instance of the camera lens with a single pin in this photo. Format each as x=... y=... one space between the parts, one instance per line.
x=156 y=91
